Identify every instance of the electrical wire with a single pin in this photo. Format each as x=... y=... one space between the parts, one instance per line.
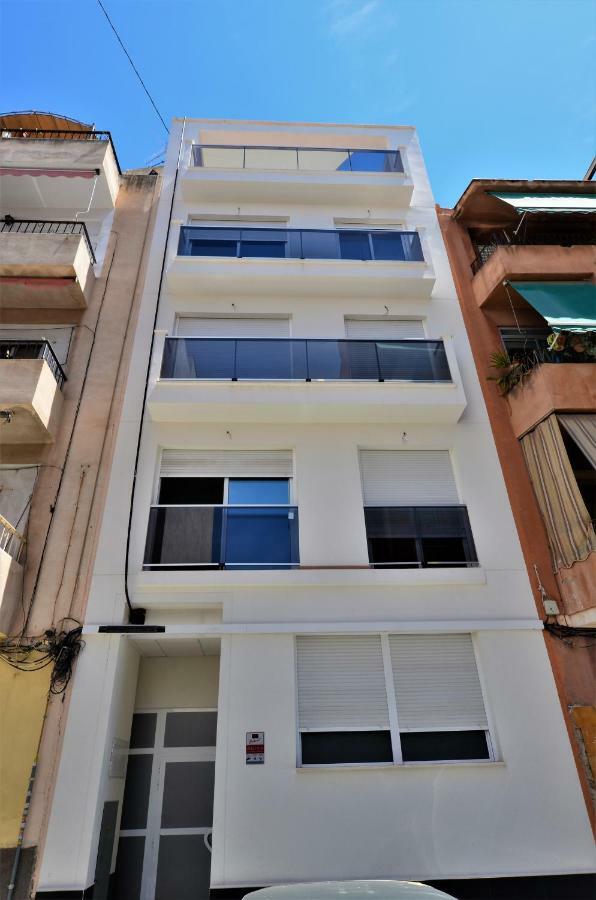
x=144 y=86
x=58 y=647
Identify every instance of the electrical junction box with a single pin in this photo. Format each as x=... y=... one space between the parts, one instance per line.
x=550 y=607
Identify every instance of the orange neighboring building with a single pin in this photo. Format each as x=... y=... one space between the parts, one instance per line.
x=523 y=257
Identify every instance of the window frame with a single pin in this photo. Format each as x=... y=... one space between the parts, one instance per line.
x=394 y=729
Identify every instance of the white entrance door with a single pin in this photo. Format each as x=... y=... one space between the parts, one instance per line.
x=164 y=850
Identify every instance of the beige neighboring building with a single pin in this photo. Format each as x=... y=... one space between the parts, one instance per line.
x=73 y=237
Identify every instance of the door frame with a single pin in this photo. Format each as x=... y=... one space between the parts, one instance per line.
x=161 y=757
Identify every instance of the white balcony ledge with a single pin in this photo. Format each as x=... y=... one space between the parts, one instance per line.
x=250 y=277
x=167 y=587
x=181 y=400
x=287 y=186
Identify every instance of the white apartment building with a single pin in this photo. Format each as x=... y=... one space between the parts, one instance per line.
x=340 y=673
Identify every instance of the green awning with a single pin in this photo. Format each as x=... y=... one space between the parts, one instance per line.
x=566 y=306
x=550 y=203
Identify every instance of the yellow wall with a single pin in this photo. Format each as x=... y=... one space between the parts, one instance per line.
x=23 y=698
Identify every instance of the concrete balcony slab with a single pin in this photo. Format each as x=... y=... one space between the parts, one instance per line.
x=44 y=271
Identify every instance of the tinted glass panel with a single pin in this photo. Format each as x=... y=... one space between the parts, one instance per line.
x=266 y=536
x=213 y=248
x=136 y=791
x=444 y=551
x=183 y=868
x=265 y=249
x=418 y=746
x=354 y=245
x=188 y=795
x=258 y=490
x=388 y=246
x=270 y=359
x=328 y=747
x=143 y=730
x=398 y=552
x=191 y=729
x=201 y=358
x=191 y=490
x=184 y=535
x=129 y=869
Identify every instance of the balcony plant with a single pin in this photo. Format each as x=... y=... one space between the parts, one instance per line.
x=510 y=372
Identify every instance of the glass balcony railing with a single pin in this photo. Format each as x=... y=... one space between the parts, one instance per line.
x=33 y=350
x=301 y=159
x=286 y=243
x=419 y=537
x=274 y=359
x=222 y=537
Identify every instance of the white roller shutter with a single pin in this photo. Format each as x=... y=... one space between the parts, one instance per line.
x=232 y=327
x=436 y=682
x=341 y=682
x=407 y=478
x=222 y=463
x=385 y=329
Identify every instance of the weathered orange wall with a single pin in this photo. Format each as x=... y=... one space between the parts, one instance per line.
x=573 y=669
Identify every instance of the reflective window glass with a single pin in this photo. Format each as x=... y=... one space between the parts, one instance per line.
x=259 y=490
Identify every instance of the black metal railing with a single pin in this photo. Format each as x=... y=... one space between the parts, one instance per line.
x=41 y=226
x=487 y=245
x=57 y=134
x=33 y=350
x=303 y=159
x=222 y=537
x=291 y=243
x=419 y=537
x=277 y=359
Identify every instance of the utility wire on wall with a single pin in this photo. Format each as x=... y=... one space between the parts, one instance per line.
x=136 y=71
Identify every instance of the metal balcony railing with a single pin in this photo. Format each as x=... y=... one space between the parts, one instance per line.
x=222 y=537
x=302 y=159
x=487 y=245
x=275 y=359
x=41 y=226
x=290 y=243
x=33 y=350
x=530 y=346
x=56 y=134
x=419 y=537
x=11 y=540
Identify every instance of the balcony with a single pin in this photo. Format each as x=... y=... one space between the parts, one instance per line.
x=11 y=573
x=561 y=385
x=566 y=255
x=31 y=379
x=222 y=537
x=346 y=262
x=271 y=379
x=296 y=174
x=419 y=537
x=45 y=265
x=58 y=169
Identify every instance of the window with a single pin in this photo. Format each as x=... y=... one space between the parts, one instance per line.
x=579 y=438
x=389 y=699
x=412 y=512
x=204 y=519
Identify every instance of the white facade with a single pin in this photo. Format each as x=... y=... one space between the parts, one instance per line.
x=520 y=811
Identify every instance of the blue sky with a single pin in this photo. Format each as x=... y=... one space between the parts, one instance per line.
x=496 y=88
